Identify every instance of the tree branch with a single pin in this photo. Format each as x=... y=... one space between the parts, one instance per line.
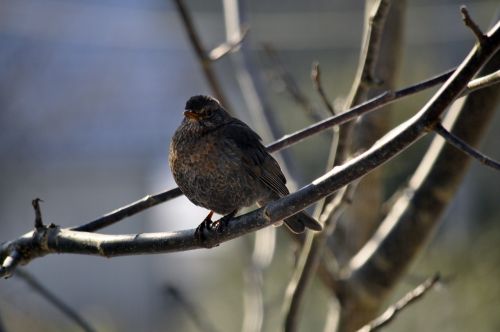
x=339 y=152
x=469 y=22
x=466 y=148
x=201 y=322
x=228 y=47
x=483 y=82
x=316 y=78
x=291 y=85
x=411 y=297
x=201 y=53
x=54 y=300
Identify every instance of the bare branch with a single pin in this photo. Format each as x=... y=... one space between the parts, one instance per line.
x=128 y=210
x=228 y=47
x=483 y=82
x=339 y=152
x=316 y=78
x=469 y=22
x=201 y=322
x=291 y=85
x=373 y=104
x=411 y=297
x=466 y=148
x=54 y=300
x=38 y=213
x=201 y=53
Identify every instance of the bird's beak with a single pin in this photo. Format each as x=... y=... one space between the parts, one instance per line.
x=191 y=115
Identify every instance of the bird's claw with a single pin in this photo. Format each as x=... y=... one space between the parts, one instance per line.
x=215 y=227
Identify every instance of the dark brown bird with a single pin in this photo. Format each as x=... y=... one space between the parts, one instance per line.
x=219 y=163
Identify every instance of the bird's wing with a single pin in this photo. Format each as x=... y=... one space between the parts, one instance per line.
x=254 y=156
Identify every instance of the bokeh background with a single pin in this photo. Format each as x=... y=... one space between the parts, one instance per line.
x=90 y=93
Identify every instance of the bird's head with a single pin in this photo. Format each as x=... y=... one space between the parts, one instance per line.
x=205 y=111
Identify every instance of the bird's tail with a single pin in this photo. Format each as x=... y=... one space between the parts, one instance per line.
x=299 y=222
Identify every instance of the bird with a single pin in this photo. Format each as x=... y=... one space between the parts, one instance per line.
x=220 y=163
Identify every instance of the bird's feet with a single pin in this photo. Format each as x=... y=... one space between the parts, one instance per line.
x=215 y=227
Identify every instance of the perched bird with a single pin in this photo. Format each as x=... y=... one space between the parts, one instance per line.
x=219 y=163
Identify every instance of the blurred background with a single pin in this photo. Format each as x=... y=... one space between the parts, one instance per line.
x=90 y=94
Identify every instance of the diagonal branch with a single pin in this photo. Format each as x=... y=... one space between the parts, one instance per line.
x=54 y=300
x=201 y=53
x=291 y=85
x=316 y=78
x=466 y=148
x=58 y=240
x=411 y=297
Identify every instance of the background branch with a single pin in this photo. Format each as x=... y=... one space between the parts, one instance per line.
x=201 y=54
x=417 y=210
x=466 y=148
x=340 y=149
x=44 y=292
x=411 y=297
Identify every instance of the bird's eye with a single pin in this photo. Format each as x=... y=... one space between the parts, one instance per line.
x=209 y=113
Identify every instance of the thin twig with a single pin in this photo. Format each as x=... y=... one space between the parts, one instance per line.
x=54 y=300
x=201 y=322
x=201 y=53
x=38 y=213
x=466 y=148
x=411 y=297
x=229 y=46
x=373 y=104
x=469 y=22
x=291 y=85
x=377 y=102
x=316 y=78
